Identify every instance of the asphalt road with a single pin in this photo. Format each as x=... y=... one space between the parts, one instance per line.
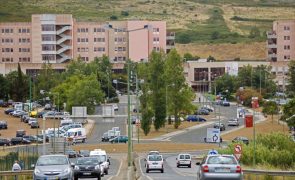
x=114 y=167
x=171 y=172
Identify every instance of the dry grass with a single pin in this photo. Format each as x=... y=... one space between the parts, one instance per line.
x=143 y=147
x=15 y=124
x=264 y=127
x=225 y=51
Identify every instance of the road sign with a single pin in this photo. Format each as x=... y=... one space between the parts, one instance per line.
x=212 y=152
x=213 y=135
x=238 y=151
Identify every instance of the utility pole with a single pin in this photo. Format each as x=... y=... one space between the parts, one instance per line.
x=137 y=108
x=129 y=123
x=260 y=81
x=219 y=144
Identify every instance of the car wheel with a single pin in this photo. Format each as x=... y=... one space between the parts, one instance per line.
x=162 y=171
x=83 y=141
x=106 y=172
x=98 y=178
x=189 y=166
x=147 y=171
x=76 y=178
x=177 y=165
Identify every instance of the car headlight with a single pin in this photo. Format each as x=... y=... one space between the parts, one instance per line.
x=37 y=171
x=76 y=168
x=68 y=170
x=97 y=167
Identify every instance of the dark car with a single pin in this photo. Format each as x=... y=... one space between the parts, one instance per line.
x=220 y=126
x=34 y=124
x=119 y=139
x=202 y=112
x=23 y=117
x=225 y=103
x=19 y=140
x=84 y=153
x=7 y=111
x=20 y=133
x=4 y=104
x=26 y=119
x=87 y=167
x=105 y=137
x=4 y=142
x=241 y=139
x=40 y=114
x=195 y=118
x=3 y=125
x=33 y=139
x=41 y=137
x=71 y=153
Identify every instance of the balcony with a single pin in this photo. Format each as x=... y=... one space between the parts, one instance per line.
x=170 y=36
x=272 y=55
x=271 y=35
x=272 y=46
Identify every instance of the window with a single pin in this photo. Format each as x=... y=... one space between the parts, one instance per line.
x=83 y=49
x=24 y=30
x=287 y=47
x=120 y=58
x=98 y=30
x=48 y=37
x=156 y=39
x=286 y=37
x=48 y=27
x=7 y=40
x=24 y=59
x=7 y=30
x=287 y=28
x=99 y=39
x=287 y=57
x=85 y=58
x=48 y=57
x=82 y=39
x=156 y=49
x=120 y=39
x=24 y=50
x=82 y=30
x=24 y=40
x=7 y=49
x=7 y=59
x=99 y=49
x=48 y=47
x=156 y=30
x=120 y=29
x=120 y=49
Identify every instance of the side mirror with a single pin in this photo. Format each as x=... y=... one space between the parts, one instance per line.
x=198 y=163
x=72 y=165
x=32 y=165
x=144 y=159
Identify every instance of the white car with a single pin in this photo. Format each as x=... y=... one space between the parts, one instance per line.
x=154 y=163
x=233 y=122
x=32 y=120
x=103 y=158
x=115 y=107
x=184 y=160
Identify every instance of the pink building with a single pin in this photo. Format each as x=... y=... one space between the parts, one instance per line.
x=281 y=48
x=59 y=38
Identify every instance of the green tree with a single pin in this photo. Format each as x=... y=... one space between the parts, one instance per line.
x=157 y=86
x=291 y=79
x=211 y=59
x=4 y=89
x=187 y=56
x=288 y=113
x=179 y=96
x=270 y=108
x=245 y=76
x=254 y=33
x=225 y=85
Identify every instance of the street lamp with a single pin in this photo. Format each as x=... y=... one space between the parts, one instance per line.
x=109 y=26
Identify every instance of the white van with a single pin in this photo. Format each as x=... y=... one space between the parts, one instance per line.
x=65 y=122
x=103 y=157
x=76 y=135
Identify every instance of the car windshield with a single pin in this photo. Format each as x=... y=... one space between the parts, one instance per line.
x=101 y=158
x=52 y=160
x=155 y=158
x=221 y=160
x=87 y=161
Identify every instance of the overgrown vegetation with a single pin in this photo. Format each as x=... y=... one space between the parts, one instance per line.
x=275 y=150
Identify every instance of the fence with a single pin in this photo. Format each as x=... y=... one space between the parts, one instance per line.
x=21 y=175
x=26 y=155
x=250 y=174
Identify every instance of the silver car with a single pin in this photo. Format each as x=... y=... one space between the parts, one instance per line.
x=219 y=167
x=233 y=122
x=52 y=167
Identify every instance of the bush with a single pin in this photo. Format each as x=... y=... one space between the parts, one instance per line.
x=124 y=13
x=114 y=17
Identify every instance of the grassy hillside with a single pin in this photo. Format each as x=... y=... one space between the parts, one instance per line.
x=195 y=21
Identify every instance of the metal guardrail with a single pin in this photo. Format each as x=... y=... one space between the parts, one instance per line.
x=269 y=173
x=22 y=175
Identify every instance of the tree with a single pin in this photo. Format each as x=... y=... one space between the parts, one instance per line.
x=4 y=89
x=245 y=95
x=179 y=96
x=226 y=85
x=157 y=86
x=245 y=76
x=291 y=79
x=270 y=108
x=288 y=113
x=254 y=32
x=211 y=59
x=215 y=35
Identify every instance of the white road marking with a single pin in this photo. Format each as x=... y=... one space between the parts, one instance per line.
x=120 y=167
x=142 y=171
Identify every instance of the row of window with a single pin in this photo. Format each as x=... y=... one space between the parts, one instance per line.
x=24 y=50
x=7 y=59
x=7 y=40
x=20 y=40
x=99 y=39
x=287 y=47
x=7 y=49
x=120 y=49
x=48 y=57
x=20 y=30
x=95 y=49
x=286 y=37
x=287 y=57
x=82 y=39
x=287 y=28
x=48 y=47
x=24 y=59
x=85 y=30
x=120 y=58
x=120 y=39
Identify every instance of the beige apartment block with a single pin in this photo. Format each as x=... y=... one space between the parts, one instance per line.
x=281 y=49
x=59 y=38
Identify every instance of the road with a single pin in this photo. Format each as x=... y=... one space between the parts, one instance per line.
x=171 y=172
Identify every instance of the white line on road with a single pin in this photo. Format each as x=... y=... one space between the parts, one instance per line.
x=142 y=171
x=120 y=167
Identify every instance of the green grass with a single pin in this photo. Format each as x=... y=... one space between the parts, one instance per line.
x=272 y=3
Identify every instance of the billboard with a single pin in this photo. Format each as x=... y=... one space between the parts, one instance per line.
x=232 y=68
x=213 y=135
x=249 y=120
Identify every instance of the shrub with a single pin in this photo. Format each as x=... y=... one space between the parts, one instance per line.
x=114 y=17
x=124 y=13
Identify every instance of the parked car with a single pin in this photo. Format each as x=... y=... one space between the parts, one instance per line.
x=195 y=118
x=34 y=124
x=31 y=120
x=84 y=153
x=241 y=139
x=26 y=119
x=119 y=139
x=20 y=133
x=233 y=122
x=154 y=162
x=40 y=114
x=225 y=103
x=87 y=167
x=47 y=107
x=220 y=126
x=184 y=160
x=19 y=140
x=41 y=137
x=19 y=113
x=3 y=125
x=219 y=167
x=33 y=139
x=71 y=153
x=115 y=107
x=172 y=118
x=4 y=104
x=105 y=137
x=202 y=112
x=208 y=108
x=57 y=165
x=4 y=142
x=7 y=111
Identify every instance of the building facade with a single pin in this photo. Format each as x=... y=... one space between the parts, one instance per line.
x=281 y=49
x=58 y=38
